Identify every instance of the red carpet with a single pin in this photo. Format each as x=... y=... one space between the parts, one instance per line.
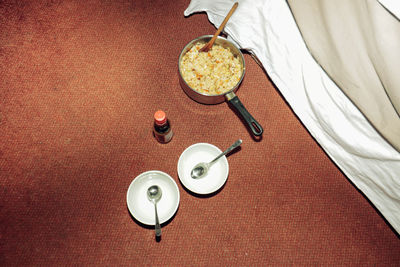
x=79 y=83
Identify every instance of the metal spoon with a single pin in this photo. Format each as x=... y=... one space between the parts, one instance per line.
x=201 y=169
x=208 y=45
x=154 y=194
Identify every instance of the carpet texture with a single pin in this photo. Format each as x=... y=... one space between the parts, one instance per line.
x=79 y=83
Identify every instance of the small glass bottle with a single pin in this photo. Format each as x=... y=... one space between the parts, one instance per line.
x=162 y=129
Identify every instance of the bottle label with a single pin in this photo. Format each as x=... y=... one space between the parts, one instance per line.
x=164 y=138
x=168 y=136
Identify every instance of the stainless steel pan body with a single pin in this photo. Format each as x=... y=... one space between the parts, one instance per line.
x=230 y=96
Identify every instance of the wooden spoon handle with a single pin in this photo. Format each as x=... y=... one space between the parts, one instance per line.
x=208 y=46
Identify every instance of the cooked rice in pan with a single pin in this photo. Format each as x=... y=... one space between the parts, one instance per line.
x=214 y=72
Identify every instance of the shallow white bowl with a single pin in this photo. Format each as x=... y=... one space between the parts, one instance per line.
x=216 y=176
x=140 y=206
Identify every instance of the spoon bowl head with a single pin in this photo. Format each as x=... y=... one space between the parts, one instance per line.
x=199 y=171
x=154 y=193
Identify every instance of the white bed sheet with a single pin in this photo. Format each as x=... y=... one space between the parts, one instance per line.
x=266 y=28
x=393 y=6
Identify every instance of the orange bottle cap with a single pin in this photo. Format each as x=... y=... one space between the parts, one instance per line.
x=160 y=117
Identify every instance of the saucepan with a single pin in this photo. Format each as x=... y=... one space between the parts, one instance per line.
x=229 y=96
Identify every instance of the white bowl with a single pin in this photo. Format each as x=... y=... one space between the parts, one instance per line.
x=216 y=176
x=140 y=206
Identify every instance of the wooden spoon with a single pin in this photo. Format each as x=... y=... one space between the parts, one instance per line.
x=208 y=45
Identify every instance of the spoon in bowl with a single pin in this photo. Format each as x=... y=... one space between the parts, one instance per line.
x=208 y=45
x=201 y=169
x=154 y=194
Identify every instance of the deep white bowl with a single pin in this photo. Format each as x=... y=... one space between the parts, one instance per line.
x=216 y=176
x=140 y=206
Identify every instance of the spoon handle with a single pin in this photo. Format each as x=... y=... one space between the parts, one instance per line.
x=157 y=225
x=208 y=46
x=232 y=147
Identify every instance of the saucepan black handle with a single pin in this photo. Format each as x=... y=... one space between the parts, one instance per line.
x=254 y=126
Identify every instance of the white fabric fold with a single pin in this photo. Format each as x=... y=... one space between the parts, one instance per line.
x=393 y=6
x=266 y=28
x=357 y=44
